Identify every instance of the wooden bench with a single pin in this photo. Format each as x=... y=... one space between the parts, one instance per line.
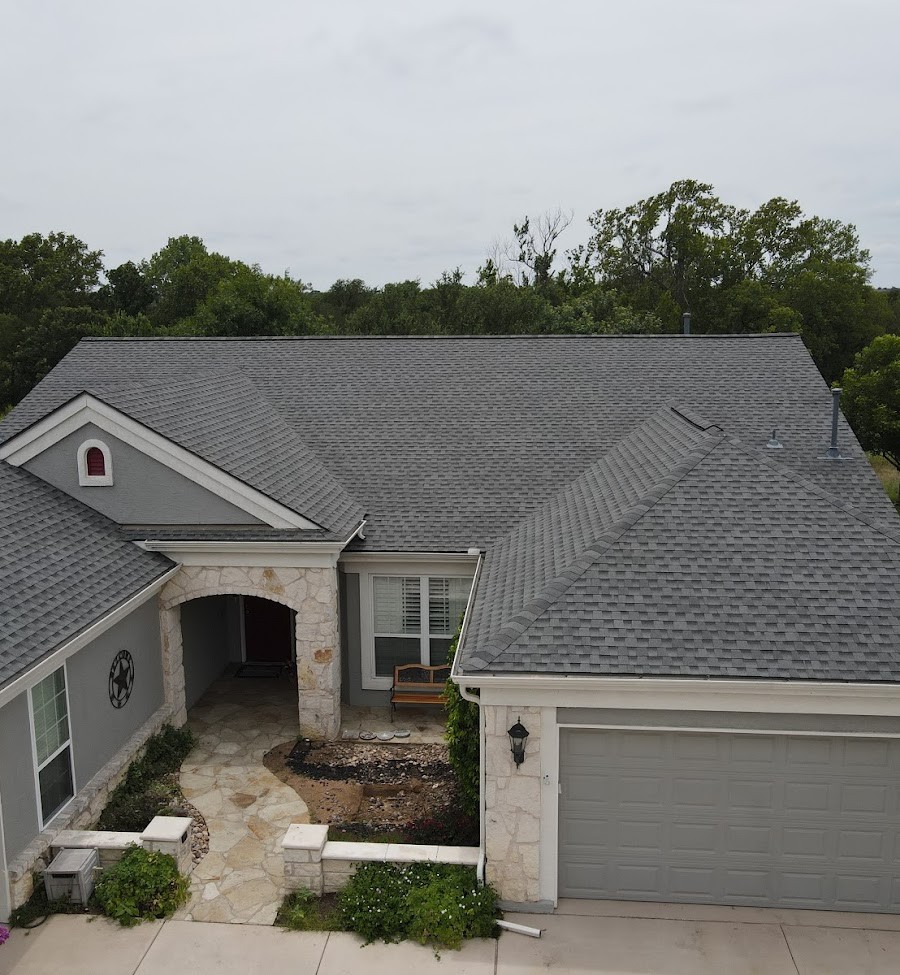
x=418 y=684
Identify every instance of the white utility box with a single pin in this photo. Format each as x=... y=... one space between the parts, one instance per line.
x=71 y=874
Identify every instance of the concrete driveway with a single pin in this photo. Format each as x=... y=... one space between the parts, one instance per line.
x=608 y=938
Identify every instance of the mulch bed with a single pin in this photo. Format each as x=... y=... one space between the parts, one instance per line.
x=369 y=789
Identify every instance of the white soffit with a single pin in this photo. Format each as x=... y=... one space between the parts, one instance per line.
x=86 y=409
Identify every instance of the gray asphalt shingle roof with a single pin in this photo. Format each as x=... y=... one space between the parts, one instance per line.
x=448 y=443
x=631 y=523
x=222 y=419
x=727 y=566
x=62 y=566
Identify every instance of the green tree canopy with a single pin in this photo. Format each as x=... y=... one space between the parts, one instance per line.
x=737 y=270
x=872 y=397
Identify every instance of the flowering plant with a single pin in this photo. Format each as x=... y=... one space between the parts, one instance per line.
x=4 y=933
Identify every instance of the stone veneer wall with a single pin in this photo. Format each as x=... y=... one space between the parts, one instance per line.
x=83 y=812
x=314 y=863
x=512 y=805
x=311 y=592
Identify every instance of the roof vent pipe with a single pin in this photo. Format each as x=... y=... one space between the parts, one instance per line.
x=774 y=443
x=833 y=453
x=686 y=323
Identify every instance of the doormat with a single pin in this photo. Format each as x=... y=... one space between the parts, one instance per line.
x=261 y=670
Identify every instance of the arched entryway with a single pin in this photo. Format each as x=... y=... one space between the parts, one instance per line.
x=304 y=630
x=234 y=635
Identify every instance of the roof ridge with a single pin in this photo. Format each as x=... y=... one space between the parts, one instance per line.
x=521 y=621
x=814 y=488
x=529 y=336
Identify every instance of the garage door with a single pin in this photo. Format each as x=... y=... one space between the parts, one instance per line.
x=763 y=820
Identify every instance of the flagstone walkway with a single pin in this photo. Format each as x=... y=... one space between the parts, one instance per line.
x=247 y=809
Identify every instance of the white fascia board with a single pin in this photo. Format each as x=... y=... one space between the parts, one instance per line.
x=87 y=409
x=300 y=555
x=366 y=559
x=59 y=656
x=761 y=696
x=297 y=555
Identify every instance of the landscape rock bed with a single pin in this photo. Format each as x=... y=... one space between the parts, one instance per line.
x=369 y=762
x=368 y=789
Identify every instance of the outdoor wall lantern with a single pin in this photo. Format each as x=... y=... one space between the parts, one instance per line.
x=517 y=735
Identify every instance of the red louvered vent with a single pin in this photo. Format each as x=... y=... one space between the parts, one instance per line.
x=96 y=462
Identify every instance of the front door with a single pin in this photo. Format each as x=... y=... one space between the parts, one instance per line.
x=268 y=631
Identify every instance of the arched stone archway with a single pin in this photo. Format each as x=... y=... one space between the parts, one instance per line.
x=311 y=592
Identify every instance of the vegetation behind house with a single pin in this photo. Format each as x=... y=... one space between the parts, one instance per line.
x=636 y=270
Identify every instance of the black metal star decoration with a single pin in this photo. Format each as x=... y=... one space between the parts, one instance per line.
x=121 y=679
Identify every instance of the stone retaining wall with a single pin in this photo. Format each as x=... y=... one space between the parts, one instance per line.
x=313 y=862
x=83 y=811
x=311 y=592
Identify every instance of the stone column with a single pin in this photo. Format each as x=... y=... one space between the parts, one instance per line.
x=173 y=663
x=513 y=805
x=318 y=656
x=311 y=592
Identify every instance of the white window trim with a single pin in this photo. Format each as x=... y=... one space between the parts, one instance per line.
x=66 y=744
x=94 y=480
x=369 y=679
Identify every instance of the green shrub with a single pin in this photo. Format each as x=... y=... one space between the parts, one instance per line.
x=149 y=786
x=434 y=903
x=132 y=810
x=143 y=885
x=463 y=745
x=373 y=903
x=303 y=911
x=449 y=910
x=166 y=751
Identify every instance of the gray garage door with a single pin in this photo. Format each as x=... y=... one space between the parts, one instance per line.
x=730 y=819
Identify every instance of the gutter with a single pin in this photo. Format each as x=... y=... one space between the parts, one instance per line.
x=482 y=731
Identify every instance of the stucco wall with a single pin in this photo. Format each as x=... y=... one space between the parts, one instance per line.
x=205 y=627
x=98 y=728
x=513 y=805
x=311 y=592
x=17 y=789
x=143 y=492
x=351 y=648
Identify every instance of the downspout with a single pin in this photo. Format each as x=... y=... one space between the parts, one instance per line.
x=482 y=732
x=5 y=894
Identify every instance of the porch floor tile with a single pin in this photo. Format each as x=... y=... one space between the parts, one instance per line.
x=247 y=809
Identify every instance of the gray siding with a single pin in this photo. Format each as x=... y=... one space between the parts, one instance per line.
x=99 y=729
x=211 y=636
x=351 y=649
x=144 y=492
x=20 y=815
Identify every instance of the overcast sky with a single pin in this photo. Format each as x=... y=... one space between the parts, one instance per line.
x=391 y=140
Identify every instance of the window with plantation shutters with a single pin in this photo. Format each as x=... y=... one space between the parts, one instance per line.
x=414 y=619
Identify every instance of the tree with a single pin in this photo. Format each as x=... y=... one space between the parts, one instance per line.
x=872 y=397
x=535 y=246
x=182 y=275
x=252 y=303
x=128 y=289
x=48 y=294
x=41 y=272
x=770 y=269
